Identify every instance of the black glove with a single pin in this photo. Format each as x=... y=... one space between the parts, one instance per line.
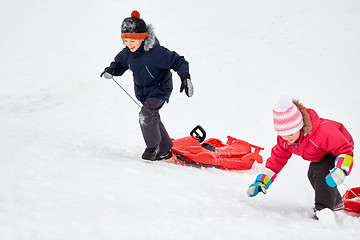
x=186 y=84
x=108 y=72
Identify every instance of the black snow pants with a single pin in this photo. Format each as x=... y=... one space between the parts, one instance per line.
x=152 y=128
x=325 y=196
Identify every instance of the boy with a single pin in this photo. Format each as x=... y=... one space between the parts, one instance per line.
x=151 y=64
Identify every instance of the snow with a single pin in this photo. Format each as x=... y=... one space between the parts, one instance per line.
x=70 y=141
x=327 y=218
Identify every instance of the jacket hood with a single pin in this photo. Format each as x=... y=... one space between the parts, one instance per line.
x=151 y=40
x=310 y=118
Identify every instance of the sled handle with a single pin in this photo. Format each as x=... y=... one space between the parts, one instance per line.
x=200 y=137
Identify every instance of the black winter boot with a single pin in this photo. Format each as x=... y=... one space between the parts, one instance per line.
x=150 y=153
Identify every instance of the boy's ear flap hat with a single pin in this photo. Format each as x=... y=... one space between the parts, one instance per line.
x=287 y=117
x=134 y=27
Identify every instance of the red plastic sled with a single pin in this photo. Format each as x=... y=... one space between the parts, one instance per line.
x=352 y=202
x=235 y=154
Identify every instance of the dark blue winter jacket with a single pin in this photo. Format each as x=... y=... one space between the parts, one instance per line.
x=151 y=65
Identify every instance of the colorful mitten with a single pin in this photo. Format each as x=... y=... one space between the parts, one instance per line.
x=345 y=162
x=335 y=177
x=343 y=166
x=262 y=183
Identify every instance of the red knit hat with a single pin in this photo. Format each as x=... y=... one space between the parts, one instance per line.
x=287 y=117
x=134 y=27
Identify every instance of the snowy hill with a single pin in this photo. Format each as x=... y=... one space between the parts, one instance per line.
x=70 y=164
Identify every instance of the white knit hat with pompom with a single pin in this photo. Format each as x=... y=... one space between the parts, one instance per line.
x=287 y=117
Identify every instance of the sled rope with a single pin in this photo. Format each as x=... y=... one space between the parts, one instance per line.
x=126 y=92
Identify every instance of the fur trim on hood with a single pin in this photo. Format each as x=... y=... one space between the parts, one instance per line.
x=150 y=41
x=306 y=118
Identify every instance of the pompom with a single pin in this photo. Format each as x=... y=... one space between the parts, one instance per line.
x=135 y=14
x=285 y=102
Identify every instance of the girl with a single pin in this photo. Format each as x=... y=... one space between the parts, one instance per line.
x=325 y=143
x=150 y=64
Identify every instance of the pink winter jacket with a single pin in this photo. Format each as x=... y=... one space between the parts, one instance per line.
x=318 y=138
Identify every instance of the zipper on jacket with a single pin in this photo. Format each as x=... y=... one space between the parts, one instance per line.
x=149 y=71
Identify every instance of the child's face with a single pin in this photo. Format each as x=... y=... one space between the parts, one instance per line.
x=292 y=138
x=133 y=44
